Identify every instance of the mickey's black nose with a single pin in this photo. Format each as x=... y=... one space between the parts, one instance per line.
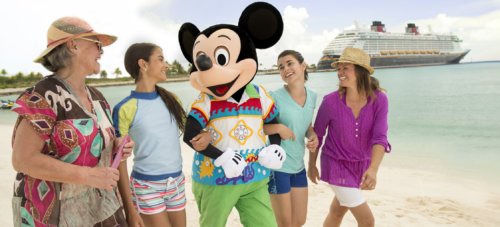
x=203 y=62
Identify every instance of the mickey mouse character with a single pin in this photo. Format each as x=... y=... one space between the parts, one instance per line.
x=233 y=170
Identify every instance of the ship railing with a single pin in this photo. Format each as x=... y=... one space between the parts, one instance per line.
x=387 y=53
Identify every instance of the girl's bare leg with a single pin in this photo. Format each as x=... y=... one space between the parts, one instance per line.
x=363 y=215
x=177 y=218
x=282 y=206
x=299 y=206
x=336 y=214
x=156 y=220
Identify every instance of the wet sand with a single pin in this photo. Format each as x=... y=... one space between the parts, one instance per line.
x=403 y=197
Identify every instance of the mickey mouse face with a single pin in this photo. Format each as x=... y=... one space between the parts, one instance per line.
x=216 y=59
x=223 y=56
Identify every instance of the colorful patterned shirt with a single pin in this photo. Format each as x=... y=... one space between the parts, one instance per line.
x=72 y=135
x=234 y=125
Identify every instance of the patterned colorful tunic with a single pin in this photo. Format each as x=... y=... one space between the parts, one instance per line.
x=72 y=135
x=234 y=125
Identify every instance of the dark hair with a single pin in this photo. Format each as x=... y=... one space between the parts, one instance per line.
x=144 y=51
x=297 y=56
x=366 y=84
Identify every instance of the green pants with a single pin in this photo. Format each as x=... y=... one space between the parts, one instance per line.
x=252 y=202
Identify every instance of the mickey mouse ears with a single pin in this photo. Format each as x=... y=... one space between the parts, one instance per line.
x=263 y=22
x=260 y=20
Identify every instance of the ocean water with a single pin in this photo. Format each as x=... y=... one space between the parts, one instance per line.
x=441 y=118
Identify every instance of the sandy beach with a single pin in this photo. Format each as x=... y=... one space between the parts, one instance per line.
x=403 y=197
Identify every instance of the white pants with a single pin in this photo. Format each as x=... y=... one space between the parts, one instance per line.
x=348 y=197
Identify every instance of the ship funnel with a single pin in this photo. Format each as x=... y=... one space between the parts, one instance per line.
x=412 y=29
x=377 y=26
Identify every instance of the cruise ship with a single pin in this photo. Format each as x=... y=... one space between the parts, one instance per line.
x=395 y=49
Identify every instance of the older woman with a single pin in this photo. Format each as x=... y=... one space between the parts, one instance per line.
x=63 y=138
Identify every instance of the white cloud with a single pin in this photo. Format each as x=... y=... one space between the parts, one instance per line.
x=25 y=23
x=350 y=27
x=127 y=19
x=479 y=34
x=293 y=20
x=295 y=37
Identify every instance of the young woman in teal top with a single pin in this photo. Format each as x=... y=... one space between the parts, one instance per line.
x=288 y=185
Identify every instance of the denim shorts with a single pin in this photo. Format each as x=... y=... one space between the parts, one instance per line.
x=281 y=183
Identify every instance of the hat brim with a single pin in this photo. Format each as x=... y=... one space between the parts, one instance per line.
x=367 y=67
x=104 y=38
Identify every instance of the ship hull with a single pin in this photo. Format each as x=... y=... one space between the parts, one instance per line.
x=399 y=61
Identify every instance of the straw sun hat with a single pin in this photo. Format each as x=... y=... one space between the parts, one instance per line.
x=355 y=56
x=69 y=28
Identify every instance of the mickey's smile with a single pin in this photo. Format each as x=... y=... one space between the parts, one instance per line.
x=221 y=90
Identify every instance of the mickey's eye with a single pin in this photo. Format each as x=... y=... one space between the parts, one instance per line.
x=199 y=53
x=222 y=56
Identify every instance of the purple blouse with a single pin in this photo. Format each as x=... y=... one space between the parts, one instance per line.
x=348 y=147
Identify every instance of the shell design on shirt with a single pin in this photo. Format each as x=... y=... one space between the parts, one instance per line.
x=206 y=168
x=241 y=132
x=216 y=134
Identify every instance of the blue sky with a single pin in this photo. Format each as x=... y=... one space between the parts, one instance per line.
x=327 y=14
x=309 y=25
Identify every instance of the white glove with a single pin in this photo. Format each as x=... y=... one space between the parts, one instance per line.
x=232 y=163
x=272 y=157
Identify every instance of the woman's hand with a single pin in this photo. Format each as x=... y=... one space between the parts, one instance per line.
x=200 y=142
x=127 y=149
x=312 y=142
x=313 y=173
x=134 y=219
x=369 y=179
x=286 y=133
x=102 y=177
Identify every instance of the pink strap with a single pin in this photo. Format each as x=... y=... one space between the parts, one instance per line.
x=119 y=154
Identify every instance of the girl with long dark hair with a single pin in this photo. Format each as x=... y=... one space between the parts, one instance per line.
x=153 y=117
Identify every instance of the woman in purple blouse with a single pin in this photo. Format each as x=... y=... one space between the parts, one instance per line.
x=356 y=118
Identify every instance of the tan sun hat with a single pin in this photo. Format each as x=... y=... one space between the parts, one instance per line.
x=355 y=56
x=69 y=28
